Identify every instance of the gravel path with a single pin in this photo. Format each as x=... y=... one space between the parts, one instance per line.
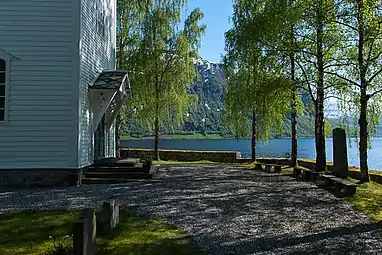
x=228 y=210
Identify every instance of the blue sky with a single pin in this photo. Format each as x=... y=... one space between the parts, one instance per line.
x=216 y=17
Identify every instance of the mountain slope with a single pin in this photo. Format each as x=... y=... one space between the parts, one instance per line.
x=205 y=117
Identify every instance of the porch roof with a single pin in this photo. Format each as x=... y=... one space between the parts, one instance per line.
x=109 y=91
x=111 y=80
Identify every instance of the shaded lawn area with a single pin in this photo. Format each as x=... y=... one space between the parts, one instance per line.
x=135 y=235
x=28 y=233
x=368 y=200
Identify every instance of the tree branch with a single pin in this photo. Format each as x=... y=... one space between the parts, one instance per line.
x=346 y=25
x=374 y=75
x=374 y=93
x=336 y=97
x=307 y=81
x=342 y=77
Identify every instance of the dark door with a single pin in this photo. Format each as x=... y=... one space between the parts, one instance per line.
x=99 y=140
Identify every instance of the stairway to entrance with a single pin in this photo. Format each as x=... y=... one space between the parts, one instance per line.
x=111 y=170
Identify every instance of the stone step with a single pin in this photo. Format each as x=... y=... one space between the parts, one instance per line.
x=109 y=180
x=137 y=169
x=128 y=162
x=123 y=175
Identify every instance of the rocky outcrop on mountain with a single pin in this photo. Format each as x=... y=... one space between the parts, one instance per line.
x=206 y=116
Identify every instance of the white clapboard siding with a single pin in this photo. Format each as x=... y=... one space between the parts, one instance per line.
x=97 y=53
x=42 y=126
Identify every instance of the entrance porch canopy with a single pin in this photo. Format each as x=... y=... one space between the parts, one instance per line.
x=108 y=93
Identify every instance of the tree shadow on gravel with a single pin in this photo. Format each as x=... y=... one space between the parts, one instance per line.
x=267 y=209
x=315 y=243
x=230 y=210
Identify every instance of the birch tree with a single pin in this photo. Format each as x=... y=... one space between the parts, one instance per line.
x=256 y=87
x=317 y=41
x=360 y=68
x=130 y=14
x=164 y=66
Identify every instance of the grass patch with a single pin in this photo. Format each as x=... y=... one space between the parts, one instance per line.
x=136 y=235
x=368 y=199
x=28 y=233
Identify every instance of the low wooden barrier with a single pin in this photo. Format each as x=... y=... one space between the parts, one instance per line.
x=84 y=233
x=85 y=227
x=110 y=216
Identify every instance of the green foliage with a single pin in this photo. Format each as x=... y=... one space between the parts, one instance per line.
x=256 y=83
x=163 y=65
x=358 y=69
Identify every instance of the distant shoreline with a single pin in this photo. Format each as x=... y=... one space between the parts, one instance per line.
x=199 y=136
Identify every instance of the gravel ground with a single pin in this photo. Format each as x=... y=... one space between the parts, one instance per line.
x=228 y=210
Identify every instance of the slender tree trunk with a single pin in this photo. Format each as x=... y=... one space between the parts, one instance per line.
x=156 y=139
x=362 y=121
x=293 y=114
x=320 y=137
x=118 y=136
x=119 y=63
x=253 y=136
x=156 y=121
x=363 y=137
x=319 y=106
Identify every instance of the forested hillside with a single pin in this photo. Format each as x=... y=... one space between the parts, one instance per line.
x=205 y=117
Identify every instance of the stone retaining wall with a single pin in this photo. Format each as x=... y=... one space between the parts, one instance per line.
x=184 y=155
x=30 y=178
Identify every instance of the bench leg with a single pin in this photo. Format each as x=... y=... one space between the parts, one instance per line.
x=341 y=190
x=267 y=169
x=327 y=182
x=296 y=172
x=306 y=176
x=349 y=191
x=309 y=176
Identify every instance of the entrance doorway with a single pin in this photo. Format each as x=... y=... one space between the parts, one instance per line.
x=99 y=140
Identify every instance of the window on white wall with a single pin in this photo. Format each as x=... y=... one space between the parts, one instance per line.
x=3 y=89
x=101 y=19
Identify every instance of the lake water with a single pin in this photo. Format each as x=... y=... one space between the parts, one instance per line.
x=274 y=148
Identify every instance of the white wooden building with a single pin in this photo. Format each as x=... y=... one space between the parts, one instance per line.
x=59 y=90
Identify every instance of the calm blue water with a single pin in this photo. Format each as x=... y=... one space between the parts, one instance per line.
x=274 y=148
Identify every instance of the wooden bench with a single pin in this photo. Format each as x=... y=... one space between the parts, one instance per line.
x=269 y=167
x=306 y=174
x=296 y=171
x=310 y=175
x=277 y=168
x=259 y=166
x=342 y=186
